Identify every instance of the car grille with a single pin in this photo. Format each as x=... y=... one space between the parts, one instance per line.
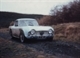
x=42 y=33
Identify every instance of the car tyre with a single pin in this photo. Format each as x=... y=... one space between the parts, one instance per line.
x=22 y=37
x=50 y=39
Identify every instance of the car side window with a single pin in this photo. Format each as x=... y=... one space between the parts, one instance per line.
x=16 y=23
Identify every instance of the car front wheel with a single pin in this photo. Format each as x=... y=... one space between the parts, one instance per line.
x=22 y=38
x=50 y=39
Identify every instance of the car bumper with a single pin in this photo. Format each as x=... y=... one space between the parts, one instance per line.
x=40 y=37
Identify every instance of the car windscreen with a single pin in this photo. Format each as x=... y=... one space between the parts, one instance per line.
x=29 y=23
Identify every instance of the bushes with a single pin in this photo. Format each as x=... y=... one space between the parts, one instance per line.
x=46 y=20
x=63 y=14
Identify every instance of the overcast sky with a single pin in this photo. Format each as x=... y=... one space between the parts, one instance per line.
x=30 y=6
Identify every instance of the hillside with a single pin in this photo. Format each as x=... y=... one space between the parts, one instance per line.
x=7 y=17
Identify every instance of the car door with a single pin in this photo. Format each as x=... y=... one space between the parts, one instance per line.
x=15 y=29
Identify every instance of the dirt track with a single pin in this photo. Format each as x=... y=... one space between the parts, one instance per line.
x=56 y=48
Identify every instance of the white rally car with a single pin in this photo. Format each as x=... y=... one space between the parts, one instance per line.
x=28 y=28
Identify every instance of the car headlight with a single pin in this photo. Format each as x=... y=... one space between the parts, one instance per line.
x=50 y=31
x=33 y=31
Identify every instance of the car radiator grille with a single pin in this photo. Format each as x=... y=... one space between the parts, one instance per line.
x=42 y=33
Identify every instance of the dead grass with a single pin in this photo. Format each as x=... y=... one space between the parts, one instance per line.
x=67 y=32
